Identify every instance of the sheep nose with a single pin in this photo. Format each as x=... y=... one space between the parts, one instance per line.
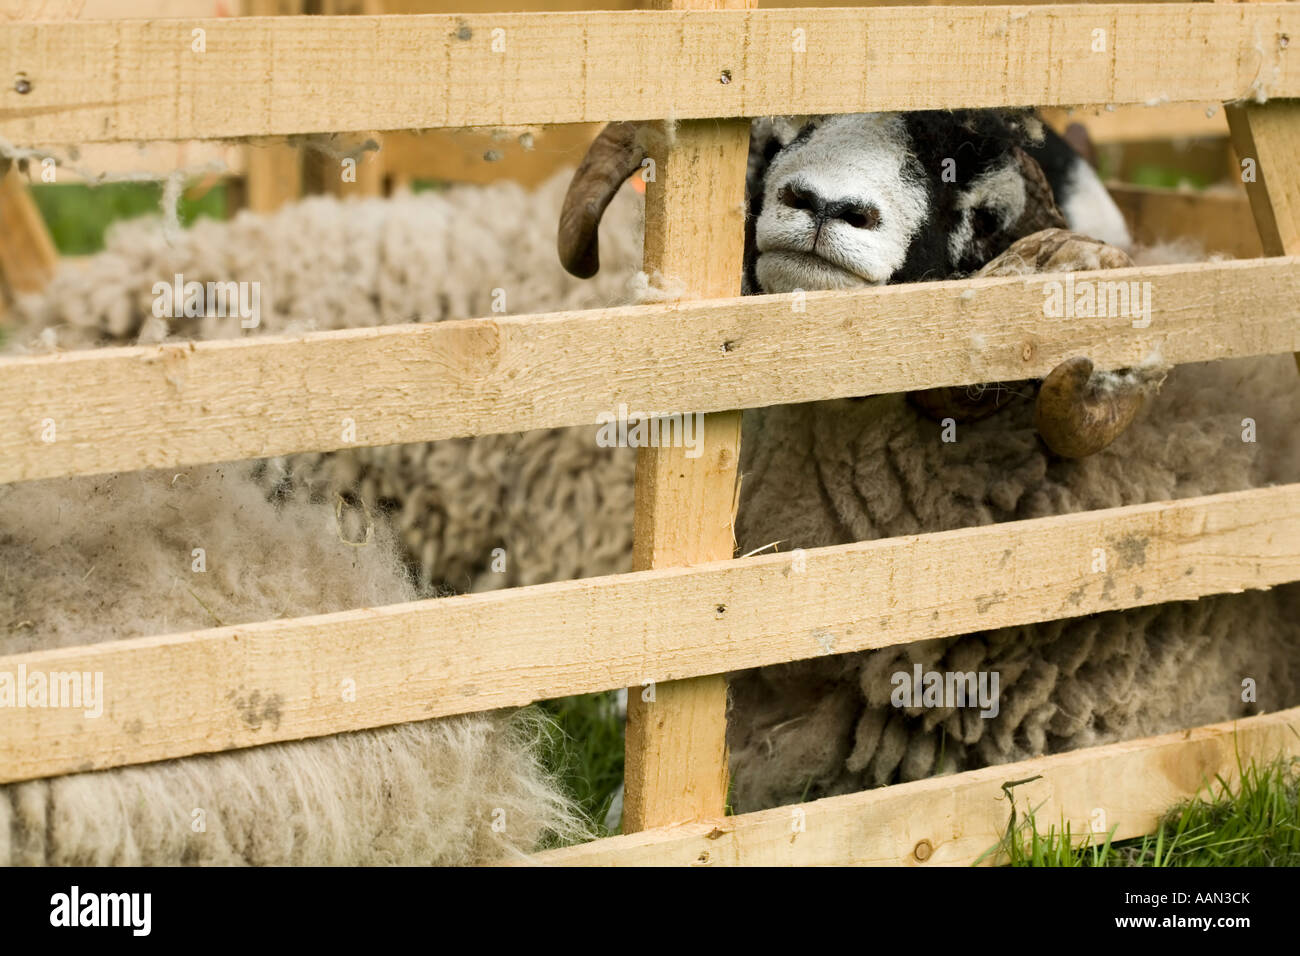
x=857 y=214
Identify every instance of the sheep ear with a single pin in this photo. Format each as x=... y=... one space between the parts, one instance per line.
x=613 y=156
x=1076 y=136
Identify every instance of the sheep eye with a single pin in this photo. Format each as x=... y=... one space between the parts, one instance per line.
x=866 y=217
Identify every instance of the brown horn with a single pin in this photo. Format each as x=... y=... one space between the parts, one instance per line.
x=1076 y=416
x=613 y=156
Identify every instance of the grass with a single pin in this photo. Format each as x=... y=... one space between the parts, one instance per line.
x=78 y=215
x=587 y=754
x=1254 y=823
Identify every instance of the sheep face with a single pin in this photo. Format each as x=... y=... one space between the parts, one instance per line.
x=866 y=199
x=842 y=201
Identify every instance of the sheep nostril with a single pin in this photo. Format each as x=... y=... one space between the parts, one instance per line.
x=859 y=217
x=797 y=197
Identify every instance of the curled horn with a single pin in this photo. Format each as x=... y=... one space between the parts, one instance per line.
x=1077 y=416
x=614 y=155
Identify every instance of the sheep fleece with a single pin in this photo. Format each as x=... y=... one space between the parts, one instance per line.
x=558 y=504
x=834 y=472
x=90 y=559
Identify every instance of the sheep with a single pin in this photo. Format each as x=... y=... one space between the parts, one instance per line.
x=864 y=199
x=556 y=502
x=73 y=581
x=851 y=201
x=92 y=559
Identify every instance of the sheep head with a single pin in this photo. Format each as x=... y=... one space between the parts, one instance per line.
x=867 y=199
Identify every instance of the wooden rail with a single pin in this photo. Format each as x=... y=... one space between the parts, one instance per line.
x=158 y=406
x=243 y=685
x=1221 y=222
x=274 y=76
x=954 y=820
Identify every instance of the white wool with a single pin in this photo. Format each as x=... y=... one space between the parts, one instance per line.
x=86 y=560
x=330 y=264
x=558 y=504
x=99 y=558
x=657 y=288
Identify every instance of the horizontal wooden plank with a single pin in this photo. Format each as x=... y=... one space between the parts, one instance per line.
x=1137 y=124
x=115 y=9
x=143 y=79
x=477 y=156
x=159 y=406
x=141 y=9
x=953 y=820
x=240 y=686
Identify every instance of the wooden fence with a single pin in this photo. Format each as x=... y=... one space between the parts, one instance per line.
x=690 y=612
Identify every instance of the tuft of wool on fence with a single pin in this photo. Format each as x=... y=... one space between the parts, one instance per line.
x=86 y=560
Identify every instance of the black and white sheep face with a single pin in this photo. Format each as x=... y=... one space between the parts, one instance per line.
x=868 y=199
x=842 y=200
x=865 y=199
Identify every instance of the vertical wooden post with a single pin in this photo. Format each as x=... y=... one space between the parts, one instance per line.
x=1268 y=134
x=676 y=746
x=272 y=172
x=323 y=173
x=27 y=254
